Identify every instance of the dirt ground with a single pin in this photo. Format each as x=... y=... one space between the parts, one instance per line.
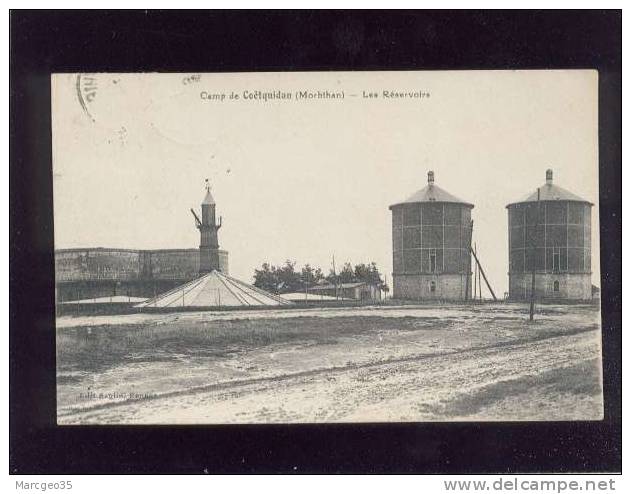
x=370 y=364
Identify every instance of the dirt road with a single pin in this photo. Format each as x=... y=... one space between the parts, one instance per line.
x=411 y=373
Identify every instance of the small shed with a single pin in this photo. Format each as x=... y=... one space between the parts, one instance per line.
x=360 y=290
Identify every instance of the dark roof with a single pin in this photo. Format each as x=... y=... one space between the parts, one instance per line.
x=550 y=192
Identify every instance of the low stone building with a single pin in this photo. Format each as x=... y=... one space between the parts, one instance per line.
x=103 y=272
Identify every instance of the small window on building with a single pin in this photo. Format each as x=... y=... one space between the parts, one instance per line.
x=556 y=285
x=432 y=260
x=432 y=286
x=556 y=259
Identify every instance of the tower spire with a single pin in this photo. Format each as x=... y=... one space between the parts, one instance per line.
x=208 y=228
x=208 y=198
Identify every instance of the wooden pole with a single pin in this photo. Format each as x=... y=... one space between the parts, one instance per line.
x=475 y=275
x=385 y=283
x=533 y=247
x=466 y=287
x=335 y=277
x=479 y=278
x=488 y=285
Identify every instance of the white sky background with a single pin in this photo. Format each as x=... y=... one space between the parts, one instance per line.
x=306 y=180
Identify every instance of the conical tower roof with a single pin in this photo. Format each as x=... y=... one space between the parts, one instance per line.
x=432 y=193
x=208 y=198
x=550 y=192
x=215 y=289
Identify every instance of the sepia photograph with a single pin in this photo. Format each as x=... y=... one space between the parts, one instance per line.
x=326 y=247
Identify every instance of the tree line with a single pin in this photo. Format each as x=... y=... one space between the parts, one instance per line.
x=286 y=278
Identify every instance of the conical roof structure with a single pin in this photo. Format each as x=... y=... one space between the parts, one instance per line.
x=550 y=192
x=208 y=198
x=432 y=193
x=215 y=289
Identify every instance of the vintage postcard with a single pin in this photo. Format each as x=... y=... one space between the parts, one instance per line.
x=251 y=248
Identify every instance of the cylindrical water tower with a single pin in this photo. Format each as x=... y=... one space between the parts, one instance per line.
x=431 y=239
x=549 y=232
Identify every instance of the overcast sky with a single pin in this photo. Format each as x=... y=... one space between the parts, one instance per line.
x=304 y=180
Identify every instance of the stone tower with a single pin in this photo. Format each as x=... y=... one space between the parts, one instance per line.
x=208 y=228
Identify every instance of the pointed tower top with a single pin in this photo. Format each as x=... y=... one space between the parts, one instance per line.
x=208 y=199
x=550 y=192
x=432 y=193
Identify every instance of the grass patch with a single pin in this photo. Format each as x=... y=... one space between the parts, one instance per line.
x=96 y=348
x=580 y=380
